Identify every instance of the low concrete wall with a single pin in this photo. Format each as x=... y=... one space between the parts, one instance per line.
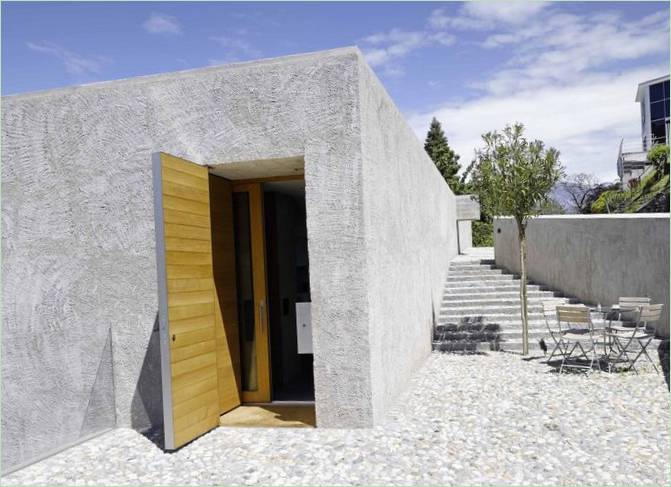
x=596 y=258
x=410 y=236
x=465 y=232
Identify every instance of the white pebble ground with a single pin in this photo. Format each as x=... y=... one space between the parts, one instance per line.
x=478 y=419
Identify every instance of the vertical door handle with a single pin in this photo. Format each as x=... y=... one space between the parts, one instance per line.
x=262 y=315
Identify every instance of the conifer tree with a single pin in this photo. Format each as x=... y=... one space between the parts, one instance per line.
x=443 y=156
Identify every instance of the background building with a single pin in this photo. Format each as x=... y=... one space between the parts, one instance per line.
x=653 y=96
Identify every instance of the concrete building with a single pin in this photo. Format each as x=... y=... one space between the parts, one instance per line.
x=159 y=231
x=653 y=97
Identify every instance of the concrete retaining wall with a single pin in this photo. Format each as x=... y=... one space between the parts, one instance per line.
x=410 y=235
x=596 y=258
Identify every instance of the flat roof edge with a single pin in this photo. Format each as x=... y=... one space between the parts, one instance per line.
x=339 y=51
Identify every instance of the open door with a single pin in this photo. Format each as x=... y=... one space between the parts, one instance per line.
x=252 y=292
x=225 y=287
x=190 y=318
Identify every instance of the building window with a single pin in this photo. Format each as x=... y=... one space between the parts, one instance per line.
x=658 y=130
x=657 y=110
x=656 y=92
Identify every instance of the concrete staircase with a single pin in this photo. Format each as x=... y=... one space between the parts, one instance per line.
x=481 y=308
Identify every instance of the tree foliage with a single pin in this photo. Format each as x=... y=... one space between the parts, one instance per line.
x=445 y=159
x=515 y=177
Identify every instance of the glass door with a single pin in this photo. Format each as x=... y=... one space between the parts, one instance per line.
x=252 y=291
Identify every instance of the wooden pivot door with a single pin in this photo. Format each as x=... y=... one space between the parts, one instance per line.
x=252 y=292
x=197 y=367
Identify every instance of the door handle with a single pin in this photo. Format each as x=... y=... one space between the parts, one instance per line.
x=262 y=315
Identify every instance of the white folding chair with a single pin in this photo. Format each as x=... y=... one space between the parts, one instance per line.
x=628 y=308
x=625 y=339
x=553 y=326
x=579 y=331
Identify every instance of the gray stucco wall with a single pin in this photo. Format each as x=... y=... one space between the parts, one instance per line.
x=596 y=258
x=410 y=236
x=79 y=272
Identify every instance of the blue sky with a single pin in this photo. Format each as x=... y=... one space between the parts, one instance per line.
x=567 y=70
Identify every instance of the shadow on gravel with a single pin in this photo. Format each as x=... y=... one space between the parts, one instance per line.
x=470 y=335
x=663 y=353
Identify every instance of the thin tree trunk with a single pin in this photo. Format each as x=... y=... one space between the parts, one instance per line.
x=521 y=232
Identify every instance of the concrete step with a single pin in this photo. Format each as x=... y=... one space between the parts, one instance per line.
x=481 y=277
x=489 y=303
x=488 y=286
x=491 y=315
x=492 y=303
x=471 y=266
x=503 y=295
x=486 y=307
x=475 y=272
x=473 y=261
x=495 y=317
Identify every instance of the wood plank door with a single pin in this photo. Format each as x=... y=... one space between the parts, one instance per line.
x=188 y=303
x=252 y=292
x=225 y=287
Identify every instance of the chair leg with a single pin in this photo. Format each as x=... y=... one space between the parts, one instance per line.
x=645 y=351
x=566 y=355
x=556 y=347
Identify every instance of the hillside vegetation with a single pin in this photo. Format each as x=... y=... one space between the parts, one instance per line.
x=635 y=199
x=650 y=194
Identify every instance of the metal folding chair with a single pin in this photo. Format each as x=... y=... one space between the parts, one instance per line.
x=625 y=339
x=579 y=331
x=553 y=326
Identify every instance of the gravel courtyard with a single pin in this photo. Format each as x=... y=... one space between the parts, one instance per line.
x=477 y=419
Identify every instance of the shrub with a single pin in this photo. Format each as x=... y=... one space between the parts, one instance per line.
x=659 y=157
x=610 y=201
x=483 y=234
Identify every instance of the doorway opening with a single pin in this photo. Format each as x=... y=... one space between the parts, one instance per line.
x=292 y=376
x=273 y=291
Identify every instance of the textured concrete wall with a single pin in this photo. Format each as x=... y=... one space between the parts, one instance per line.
x=465 y=232
x=410 y=235
x=596 y=258
x=79 y=276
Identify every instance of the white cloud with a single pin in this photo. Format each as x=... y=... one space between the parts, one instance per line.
x=162 y=24
x=571 y=79
x=384 y=47
x=73 y=63
x=584 y=121
x=486 y=15
x=566 y=48
x=507 y=12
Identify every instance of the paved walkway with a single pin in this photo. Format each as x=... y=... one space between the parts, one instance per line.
x=478 y=419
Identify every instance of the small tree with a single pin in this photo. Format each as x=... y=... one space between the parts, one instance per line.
x=443 y=156
x=581 y=189
x=514 y=176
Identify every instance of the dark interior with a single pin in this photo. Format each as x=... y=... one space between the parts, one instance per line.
x=288 y=283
